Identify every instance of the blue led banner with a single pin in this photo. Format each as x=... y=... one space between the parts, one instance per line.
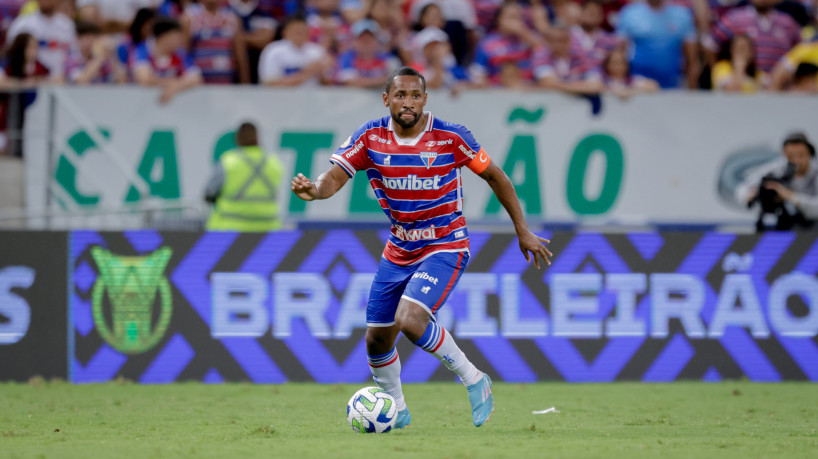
x=289 y=306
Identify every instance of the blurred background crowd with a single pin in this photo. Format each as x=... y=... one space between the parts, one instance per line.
x=574 y=46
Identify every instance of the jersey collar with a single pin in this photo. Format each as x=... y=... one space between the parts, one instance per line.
x=415 y=140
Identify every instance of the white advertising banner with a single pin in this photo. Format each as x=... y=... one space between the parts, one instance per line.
x=663 y=158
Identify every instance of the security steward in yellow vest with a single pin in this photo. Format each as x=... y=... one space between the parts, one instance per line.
x=244 y=187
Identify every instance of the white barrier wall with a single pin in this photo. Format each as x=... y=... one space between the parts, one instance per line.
x=655 y=158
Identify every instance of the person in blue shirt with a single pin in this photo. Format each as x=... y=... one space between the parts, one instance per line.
x=660 y=37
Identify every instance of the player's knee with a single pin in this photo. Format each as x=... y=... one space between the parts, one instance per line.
x=376 y=341
x=411 y=320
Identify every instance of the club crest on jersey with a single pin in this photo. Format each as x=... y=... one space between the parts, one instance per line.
x=428 y=157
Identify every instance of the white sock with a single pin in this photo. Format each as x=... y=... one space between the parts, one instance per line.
x=438 y=342
x=385 y=370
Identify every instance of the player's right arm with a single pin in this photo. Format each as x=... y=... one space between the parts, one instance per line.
x=325 y=186
x=350 y=157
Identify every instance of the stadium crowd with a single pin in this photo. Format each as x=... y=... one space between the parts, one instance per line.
x=574 y=46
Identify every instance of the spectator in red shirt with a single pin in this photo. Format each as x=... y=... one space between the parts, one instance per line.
x=23 y=63
x=773 y=32
x=163 y=62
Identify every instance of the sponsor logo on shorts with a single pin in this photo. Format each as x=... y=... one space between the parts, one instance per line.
x=425 y=289
x=423 y=275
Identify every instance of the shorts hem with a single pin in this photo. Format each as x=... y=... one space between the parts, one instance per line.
x=419 y=303
x=379 y=324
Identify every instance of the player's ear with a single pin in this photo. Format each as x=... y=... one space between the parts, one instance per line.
x=385 y=100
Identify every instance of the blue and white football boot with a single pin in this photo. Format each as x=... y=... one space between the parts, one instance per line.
x=482 y=402
x=404 y=418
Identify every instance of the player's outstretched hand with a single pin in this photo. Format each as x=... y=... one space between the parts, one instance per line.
x=534 y=246
x=303 y=187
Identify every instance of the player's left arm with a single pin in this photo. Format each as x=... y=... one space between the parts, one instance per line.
x=530 y=244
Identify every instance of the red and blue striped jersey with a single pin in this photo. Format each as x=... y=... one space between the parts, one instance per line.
x=211 y=46
x=417 y=183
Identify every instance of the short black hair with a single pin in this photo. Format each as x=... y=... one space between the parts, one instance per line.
x=404 y=71
x=799 y=138
x=163 y=25
x=247 y=135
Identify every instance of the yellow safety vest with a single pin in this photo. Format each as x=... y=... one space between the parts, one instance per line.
x=247 y=201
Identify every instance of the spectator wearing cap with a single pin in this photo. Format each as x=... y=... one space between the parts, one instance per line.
x=433 y=58
x=799 y=196
x=215 y=41
x=618 y=80
x=590 y=42
x=786 y=68
x=773 y=32
x=559 y=67
x=294 y=60
x=259 y=30
x=660 y=37
x=460 y=23
x=112 y=16
x=94 y=60
x=53 y=30
x=737 y=71
x=512 y=42
x=164 y=63
x=365 y=65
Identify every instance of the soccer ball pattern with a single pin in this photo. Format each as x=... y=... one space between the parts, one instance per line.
x=371 y=410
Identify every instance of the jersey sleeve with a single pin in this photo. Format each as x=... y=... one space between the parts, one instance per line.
x=468 y=152
x=352 y=155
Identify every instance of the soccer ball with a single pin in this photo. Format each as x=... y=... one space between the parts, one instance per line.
x=371 y=409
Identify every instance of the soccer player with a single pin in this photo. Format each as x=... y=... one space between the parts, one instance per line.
x=413 y=162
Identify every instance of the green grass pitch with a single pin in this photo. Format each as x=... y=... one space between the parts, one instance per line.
x=731 y=419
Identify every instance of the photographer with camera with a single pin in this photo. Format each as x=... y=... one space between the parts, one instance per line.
x=786 y=189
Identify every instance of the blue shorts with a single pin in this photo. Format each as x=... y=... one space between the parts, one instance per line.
x=426 y=284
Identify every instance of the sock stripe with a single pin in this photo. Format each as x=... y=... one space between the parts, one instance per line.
x=449 y=286
x=442 y=337
x=383 y=360
x=384 y=364
x=431 y=338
